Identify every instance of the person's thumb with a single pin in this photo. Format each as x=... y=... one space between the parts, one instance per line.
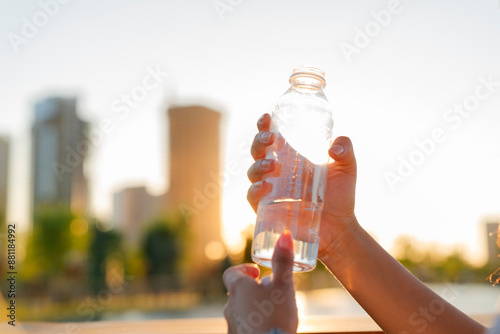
x=282 y=261
x=343 y=154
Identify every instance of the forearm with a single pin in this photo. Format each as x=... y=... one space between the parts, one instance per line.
x=390 y=294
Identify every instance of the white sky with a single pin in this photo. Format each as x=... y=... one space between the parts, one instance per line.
x=395 y=91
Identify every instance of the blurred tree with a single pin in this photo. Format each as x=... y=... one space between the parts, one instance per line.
x=55 y=263
x=429 y=265
x=104 y=244
x=163 y=244
x=58 y=241
x=247 y=253
x=134 y=262
x=407 y=255
x=453 y=267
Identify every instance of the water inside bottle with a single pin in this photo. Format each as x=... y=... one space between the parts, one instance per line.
x=294 y=200
x=278 y=216
x=301 y=219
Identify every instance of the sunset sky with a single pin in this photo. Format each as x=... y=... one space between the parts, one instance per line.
x=400 y=74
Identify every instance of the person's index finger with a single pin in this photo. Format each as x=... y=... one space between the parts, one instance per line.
x=241 y=272
x=282 y=261
x=264 y=122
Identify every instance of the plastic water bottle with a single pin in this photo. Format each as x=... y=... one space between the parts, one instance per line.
x=302 y=124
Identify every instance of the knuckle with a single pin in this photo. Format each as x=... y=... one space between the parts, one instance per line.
x=226 y=311
x=250 y=172
x=226 y=277
x=237 y=280
x=254 y=172
x=251 y=200
x=256 y=139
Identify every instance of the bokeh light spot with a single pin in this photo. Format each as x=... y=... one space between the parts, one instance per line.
x=214 y=250
x=79 y=227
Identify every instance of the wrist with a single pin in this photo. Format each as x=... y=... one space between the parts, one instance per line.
x=339 y=244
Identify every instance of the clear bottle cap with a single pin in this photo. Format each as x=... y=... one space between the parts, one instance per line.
x=309 y=72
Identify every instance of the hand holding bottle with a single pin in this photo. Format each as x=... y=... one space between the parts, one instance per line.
x=349 y=252
x=338 y=211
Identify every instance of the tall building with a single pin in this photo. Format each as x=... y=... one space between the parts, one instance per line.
x=4 y=169
x=59 y=149
x=194 y=187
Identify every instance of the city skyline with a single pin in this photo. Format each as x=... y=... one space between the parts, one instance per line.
x=50 y=108
x=403 y=83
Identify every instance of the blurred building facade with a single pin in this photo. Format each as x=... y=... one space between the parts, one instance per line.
x=59 y=149
x=195 y=191
x=133 y=207
x=4 y=170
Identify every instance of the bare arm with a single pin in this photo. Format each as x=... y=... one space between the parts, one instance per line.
x=390 y=294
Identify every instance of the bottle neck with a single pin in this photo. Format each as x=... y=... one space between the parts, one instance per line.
x=307 y=82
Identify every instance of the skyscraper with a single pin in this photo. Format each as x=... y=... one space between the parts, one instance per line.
x=59 y=149
x=194 y=187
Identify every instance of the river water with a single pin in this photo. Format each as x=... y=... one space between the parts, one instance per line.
x=469 y=298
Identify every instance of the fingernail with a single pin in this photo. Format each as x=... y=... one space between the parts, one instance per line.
x=285 y=241
x=266 y=163
x=258 y=184
x=260 y=119
x=337 y=149
x=266 y=136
